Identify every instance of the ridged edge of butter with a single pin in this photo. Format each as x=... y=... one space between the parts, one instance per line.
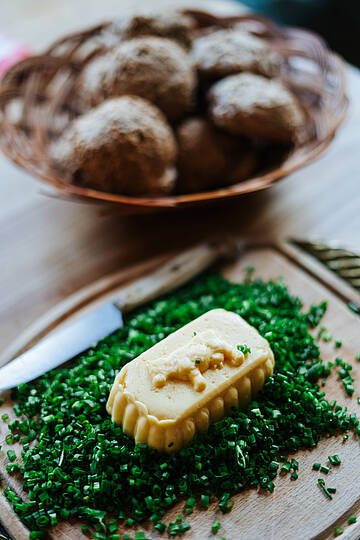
x=145 y=428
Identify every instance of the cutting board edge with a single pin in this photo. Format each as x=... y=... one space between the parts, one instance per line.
x=351 y=533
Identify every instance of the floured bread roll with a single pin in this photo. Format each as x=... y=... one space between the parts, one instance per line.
x=252 y=105
x=167 y=24
x=122 y=146
x=225 y=52
x=154 y=68
x=209 y=158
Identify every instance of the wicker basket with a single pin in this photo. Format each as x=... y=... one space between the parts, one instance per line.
x=36 y=105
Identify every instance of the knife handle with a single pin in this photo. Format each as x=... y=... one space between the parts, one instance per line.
x=174 y=273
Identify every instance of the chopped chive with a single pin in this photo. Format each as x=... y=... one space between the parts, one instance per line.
x=324 y=469
x=12 y=468
x=322 y=486
x=331 y=490
x=11 y=455
x=285 y=467
x=140 y=535
x=334 y=460
x=294 y=475
x=338 y=343
x=226 y=503
x=205 y=501
x=189 y=505
x=338 y=531
x=112 y=526
x=270 y=486
x=160 y=527
x=316 y=466
x=244 y=349
x=352 y=520
x=320 y=332
x=215 y=527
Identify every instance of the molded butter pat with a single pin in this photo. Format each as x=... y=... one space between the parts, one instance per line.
x=189 y=379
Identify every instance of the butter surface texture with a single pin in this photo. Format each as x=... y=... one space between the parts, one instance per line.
x=189 y=379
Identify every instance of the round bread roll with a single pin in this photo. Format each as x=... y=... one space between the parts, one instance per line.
x=122 y=146
x=154 y=68
x=225 y=52
x=167 y=24
x=252 y=105
x=209 y=158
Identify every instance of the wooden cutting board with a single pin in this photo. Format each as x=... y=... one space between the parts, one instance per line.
x=296 y=510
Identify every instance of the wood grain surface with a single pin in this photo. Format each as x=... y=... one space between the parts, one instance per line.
x=297 y=509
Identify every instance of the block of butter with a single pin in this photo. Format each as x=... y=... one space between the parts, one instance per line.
x=189 y=379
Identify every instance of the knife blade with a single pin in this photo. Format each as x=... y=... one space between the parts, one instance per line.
x=79 y=335
x=61 y=346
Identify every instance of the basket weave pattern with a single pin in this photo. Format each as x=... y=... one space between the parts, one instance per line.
x=36 y=104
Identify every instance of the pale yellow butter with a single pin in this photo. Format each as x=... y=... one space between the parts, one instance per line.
x=189 y=379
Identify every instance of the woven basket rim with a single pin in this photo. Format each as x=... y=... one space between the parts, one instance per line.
x=13 y=86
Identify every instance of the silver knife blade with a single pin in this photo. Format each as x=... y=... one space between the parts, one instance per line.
x=60 y=346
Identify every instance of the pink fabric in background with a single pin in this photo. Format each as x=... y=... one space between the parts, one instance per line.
x=11 y=52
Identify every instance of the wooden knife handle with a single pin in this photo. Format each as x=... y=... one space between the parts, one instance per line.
x=173 y=273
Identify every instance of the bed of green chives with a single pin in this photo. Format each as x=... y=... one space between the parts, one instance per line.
x=82 y=466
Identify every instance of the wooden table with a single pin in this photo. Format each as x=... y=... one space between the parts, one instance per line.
x=50 y=248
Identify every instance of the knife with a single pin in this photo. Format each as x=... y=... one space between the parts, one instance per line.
x=65 y=343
